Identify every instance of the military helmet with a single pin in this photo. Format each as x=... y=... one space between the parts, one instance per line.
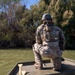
x=46 y=16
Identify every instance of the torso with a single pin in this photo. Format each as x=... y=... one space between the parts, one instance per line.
x=51 y=35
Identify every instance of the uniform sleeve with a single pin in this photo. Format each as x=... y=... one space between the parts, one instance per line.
x=62 y=40
x=38 y=37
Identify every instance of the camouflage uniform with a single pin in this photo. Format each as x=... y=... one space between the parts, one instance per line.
x=50 y=42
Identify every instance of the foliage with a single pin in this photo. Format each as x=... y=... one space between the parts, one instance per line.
x=18 y=24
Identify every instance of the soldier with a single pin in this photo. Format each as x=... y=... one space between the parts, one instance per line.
x=50 y=42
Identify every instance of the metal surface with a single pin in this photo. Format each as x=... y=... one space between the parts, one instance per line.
x=68 y=68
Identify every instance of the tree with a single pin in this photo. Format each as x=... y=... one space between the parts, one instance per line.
x=18 y=24
x=9 y=6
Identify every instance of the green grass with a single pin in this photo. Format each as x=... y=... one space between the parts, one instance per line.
x=9 y=58
x=69 y=54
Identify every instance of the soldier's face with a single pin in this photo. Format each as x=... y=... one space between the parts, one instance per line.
x=47 y=21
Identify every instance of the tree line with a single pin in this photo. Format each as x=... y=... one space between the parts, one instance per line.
x=18 y=24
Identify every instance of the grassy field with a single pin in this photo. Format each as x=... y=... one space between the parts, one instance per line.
x=9 y=58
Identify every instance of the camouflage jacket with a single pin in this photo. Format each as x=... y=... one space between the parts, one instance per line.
x=50 y=34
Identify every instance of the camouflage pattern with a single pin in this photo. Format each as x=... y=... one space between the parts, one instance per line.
x=50 y=42
x=57 y=64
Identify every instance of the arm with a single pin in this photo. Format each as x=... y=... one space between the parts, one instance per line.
x=62 y=40
x=38 y=37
